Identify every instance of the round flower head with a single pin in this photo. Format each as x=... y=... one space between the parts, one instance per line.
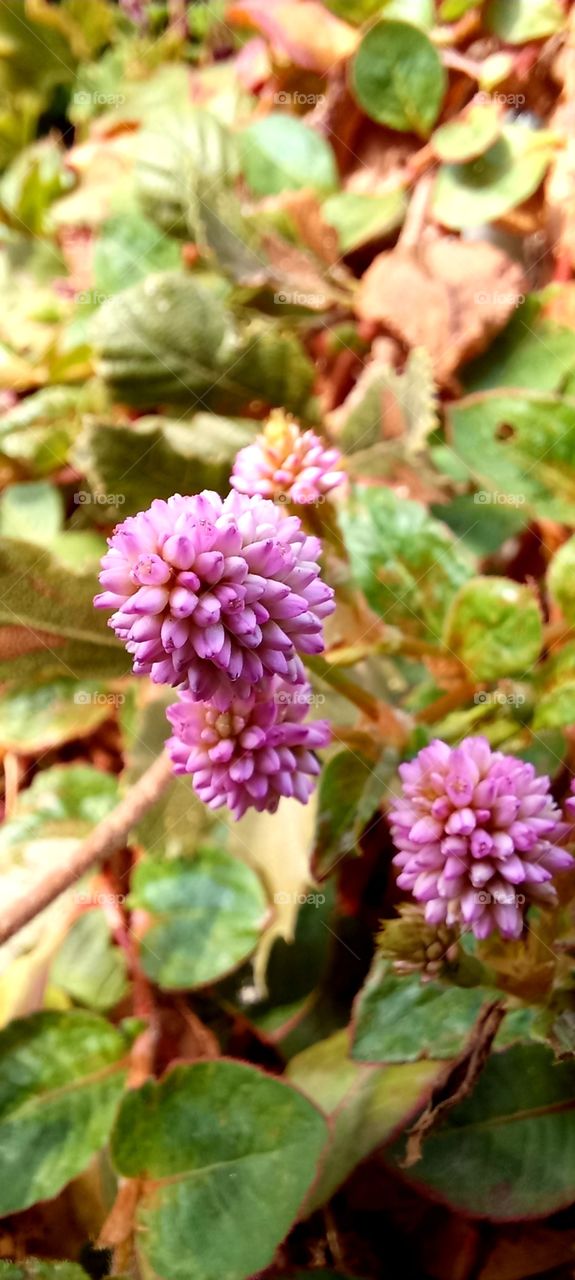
x=252 y=754
x=477 y=833
x=214 y=595
x=288 y=464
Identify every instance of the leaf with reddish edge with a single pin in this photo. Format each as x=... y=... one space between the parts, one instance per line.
x=508 y=1151
x=366 y=1105
x=402 y=1019
x=228 y=1154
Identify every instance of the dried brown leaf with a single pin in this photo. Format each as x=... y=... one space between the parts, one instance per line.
x=303 y=30
x=448 y=296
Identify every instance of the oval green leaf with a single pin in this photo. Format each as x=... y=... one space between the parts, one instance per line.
x=408 y=564
x=281 y=153
x=484 y=189
x=517 y=21
x=398 y=77
x=366 y=1104
x=402 y=1019
x=508 y=1151
x=207 y=915
x=62 y=1078
x=561 y=579
x=495 y=627
x=229 y=1154
x=469 y=136
x=359 y=218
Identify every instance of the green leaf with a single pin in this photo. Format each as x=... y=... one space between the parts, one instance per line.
x=209 y=1134
x=451 y=10
x=164 y=339
x=518 y=21
x=494 y=626
x=407 y=564
x=281 y=153
x=178 y=820
x=36 y=717
x=33 y=512
x=63 y=1077
x=181 y=157
x=38 y=1269
x=484 y=189
x=469 y=136
x=402 y=1019
x=532 y=352
x=508 y=1151
x=359 y=218
x=366 y=1105
x=555 y=702
x=520 y=444
x=61 y=805
x=420 y=12
x=357 y=11
x=127 y=249
x=350 y=791
x=88 y=967
x=561 y=579
x=128 y=466
x=48 y=624
x=38 y=430
x=398 y=77
x=207 y=915
x=172 y=340
x=414 y=399
x=483 y=527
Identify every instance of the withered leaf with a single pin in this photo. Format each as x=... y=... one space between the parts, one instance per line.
x=446 y=295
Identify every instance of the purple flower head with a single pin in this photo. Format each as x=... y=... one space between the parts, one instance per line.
x=287 y=463
x=477 y=833
x=252 y=754
x=214 y=595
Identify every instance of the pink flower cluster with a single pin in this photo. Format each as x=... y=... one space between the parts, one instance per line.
x=251 y=755
x=478 y=836
x=221 y=598
x=287 y=464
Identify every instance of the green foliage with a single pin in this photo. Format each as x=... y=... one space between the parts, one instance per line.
x=561 y=579
x=37 y=716
x=360 y=218
x=177 y=199
x=506 y=1152
x=183 y=159
x=495 y=628
x=351 y=789
x=48 y=626
x=484 y=189
x=37 y=1269
x=407 y=563
x=156 y=457
x=398 y=77
x=366 y=1105
x=521 y=444
x=517 y=21
x=206 y=916
x=210 y=1131
x=401 y=1019
x=87 y=967
x=281 y=153
x=465 y=139
x=63 y=1078
x=172 y=340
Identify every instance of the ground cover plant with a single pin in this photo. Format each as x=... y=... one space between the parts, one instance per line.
x=287 y=640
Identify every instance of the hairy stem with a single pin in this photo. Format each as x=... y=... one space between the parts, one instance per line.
x=110 y=834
